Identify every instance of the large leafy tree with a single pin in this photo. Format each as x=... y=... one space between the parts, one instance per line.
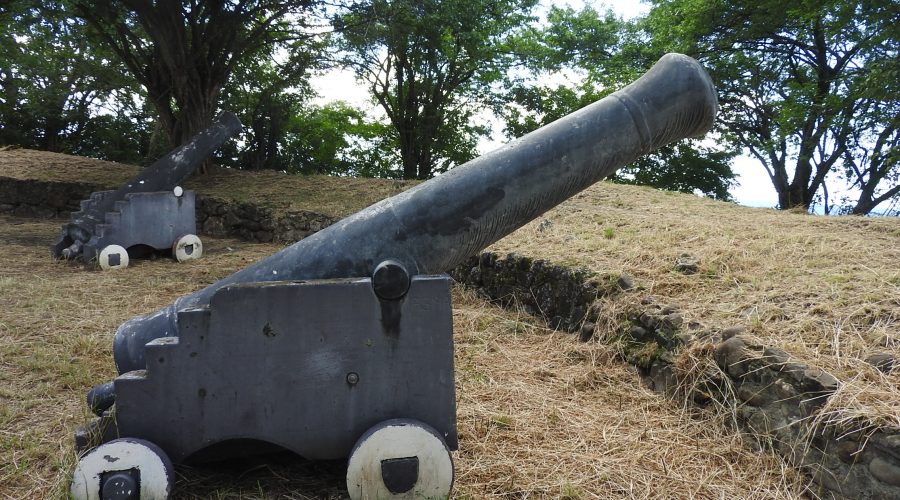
x=802 y=88
x=429 y=64
x=58 y=92
x=284 y=131
x=183 y=52
x=601 y=53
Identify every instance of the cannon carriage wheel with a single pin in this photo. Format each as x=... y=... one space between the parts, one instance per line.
x=123 y=469
x=400 y=459
x=187 y=247
x=113 y=257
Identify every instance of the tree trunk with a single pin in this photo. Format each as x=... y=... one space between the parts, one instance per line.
x=795 y=196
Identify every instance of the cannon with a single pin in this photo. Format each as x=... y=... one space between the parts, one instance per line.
x=340 y=345
x=150 y=211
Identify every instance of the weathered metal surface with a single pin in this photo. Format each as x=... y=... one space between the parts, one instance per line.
x=162 y=176
x=436 y=225
x=308 y=366
x=153 y=219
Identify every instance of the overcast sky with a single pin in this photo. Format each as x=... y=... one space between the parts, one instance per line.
x=755 y=188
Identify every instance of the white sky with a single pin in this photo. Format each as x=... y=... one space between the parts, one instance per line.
x=755 y=188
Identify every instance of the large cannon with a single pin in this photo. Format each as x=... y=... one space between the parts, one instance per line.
x=341 y=344
x=150 y=210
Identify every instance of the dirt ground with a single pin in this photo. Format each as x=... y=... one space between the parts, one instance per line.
x=540 y=414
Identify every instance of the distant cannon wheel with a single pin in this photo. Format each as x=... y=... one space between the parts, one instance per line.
x=187 y=247
x=400 y=459
x=123 y=469
x=113 y=257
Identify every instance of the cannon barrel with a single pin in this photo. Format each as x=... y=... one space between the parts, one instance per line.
x=438 y=224
x=164 y=174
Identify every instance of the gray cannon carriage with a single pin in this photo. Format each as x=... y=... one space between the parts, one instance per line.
x=340 y=345
x=150 y=212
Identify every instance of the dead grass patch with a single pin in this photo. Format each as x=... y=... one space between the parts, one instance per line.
x=825 y=289
x=540 y=414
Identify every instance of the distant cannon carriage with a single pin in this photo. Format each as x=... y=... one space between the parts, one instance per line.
x=150 y=211
x=340 y=345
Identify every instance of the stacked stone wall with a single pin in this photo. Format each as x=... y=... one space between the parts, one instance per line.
x=776 y=398
x=215 y=217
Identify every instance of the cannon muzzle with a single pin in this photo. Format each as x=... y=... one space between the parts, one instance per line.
x=436 y=225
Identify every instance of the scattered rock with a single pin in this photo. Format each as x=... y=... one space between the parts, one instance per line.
x=848 y=452
x=587 y=331
x=672 y=321
x=753 y=396
x=625 y=282
x=730 y=352
x=687 y=264
x=885 y=471
x=775 y=356
x=685 y=338
x=639 y=333
x=784 y=391
x=795 y=370
x=732 y=331
x=818 y=381
x=884 y=361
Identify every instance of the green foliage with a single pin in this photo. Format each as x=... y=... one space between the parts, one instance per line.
x=429 y=64
x=183 y=53
x=687 y=166
x=803 y=86
x=58 y=92
x=337 y=139
x=607 y=54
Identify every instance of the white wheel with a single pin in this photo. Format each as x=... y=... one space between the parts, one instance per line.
x=187 y=247
x=120 y=468
x=400 y=459
x=113 y=257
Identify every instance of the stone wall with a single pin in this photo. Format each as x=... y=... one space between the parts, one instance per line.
x=775 y=398
x=254 y=223
x=215 y=217
x=44 y=199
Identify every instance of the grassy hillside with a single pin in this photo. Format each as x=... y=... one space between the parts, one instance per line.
x=540 y=414
x=825 y=289
x=334 y=196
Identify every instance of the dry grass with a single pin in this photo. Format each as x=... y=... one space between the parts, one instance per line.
x=825 y=289
x=335 y=196
x=540 y=414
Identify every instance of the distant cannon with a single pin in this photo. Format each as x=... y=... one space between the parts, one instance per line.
x=150 y=210
x=340 y=345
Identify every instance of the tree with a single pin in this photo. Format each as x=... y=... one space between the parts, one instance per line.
x=800 y=87
x=60 y=93
x=183 y=52
x=604 y=54
x=428 y=63
x=284 y=131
